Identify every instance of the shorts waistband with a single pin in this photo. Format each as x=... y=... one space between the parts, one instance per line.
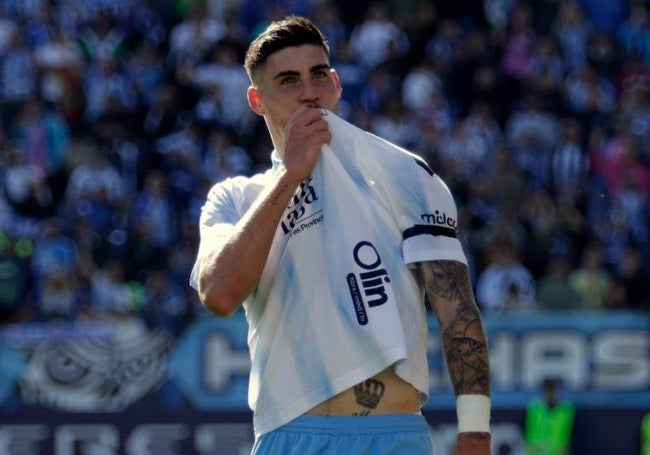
x=383 y=423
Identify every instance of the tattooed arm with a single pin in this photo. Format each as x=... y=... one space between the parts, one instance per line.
x=450 y=294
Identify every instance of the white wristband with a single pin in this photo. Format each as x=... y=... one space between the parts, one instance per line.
x=473 y=413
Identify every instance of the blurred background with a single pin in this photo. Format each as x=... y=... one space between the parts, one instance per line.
x=117 y=117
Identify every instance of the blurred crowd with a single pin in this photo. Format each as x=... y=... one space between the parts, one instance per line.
x=117 y=117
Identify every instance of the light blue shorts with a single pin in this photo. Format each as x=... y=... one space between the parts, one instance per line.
x=401 y=434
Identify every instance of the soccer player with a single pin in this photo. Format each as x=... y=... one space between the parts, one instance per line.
x=330 y=253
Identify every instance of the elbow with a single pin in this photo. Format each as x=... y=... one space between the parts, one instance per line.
x=219 y=302
x=221 y=290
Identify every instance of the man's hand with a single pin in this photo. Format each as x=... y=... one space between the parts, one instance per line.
x=473 y=444
x=305 y=133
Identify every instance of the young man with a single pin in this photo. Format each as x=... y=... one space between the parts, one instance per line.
x=329 y=252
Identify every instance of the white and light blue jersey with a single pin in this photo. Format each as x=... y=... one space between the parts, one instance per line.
x=338 y=300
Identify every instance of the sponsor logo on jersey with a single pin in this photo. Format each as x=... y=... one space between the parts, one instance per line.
x=367 y=286
x=439 y=218
x=298 y=217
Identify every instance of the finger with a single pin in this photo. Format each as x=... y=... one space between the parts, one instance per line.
x=318 y=125
x=305 y=116
x=300 y=114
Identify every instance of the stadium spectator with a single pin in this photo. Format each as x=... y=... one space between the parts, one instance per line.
x=162 y=114
x=113 y=296
x=223 y=158
x=569 y=165
x=546 y=63
x=18 y=74
x=41 y=29
x=532 y=132
x=25 y=184
x=54 y=252
x=145 y=67
x=60 y=67
x=154 y=211
x=589 y=95
x=57 y=297
x=107 y=85
x=191 y=39
x=223 y=77
x=8 y=27
x=555 y=291
x=102 y=38
x=377 y=40
x=634 y=33
x=505 y=285
x=444 y=46
x=43 y=135
x=634 y=104
x=15 y=280
x=393 y=124
x=468 y=77
x=572 y=30
x=467 y=152
x=94 y=200
x=376 y=91
x=328 y=18
x=482 y=125
x=631 y=279
x=519 y=45
x=592 y=280
x=165 y=306
x=420 y=84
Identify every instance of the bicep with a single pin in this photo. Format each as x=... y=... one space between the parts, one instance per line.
x=216 y=223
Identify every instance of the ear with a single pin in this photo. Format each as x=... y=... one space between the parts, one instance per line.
x=254 y=100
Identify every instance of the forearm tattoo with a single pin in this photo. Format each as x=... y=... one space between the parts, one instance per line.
x=450 y=293
x=368 y=394
x=275 y=197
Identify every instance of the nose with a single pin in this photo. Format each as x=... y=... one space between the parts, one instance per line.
x=309 y=93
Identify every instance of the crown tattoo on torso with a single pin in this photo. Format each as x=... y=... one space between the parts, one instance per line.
x=369 y=392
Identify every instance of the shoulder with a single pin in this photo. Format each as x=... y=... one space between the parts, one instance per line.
x=402 y=164
x=229 y=198
x=381 y=160
x=238 y=186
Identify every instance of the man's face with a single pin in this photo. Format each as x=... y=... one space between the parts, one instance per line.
x=292 y=77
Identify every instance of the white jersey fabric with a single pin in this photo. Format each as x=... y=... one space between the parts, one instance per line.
x=337 y=301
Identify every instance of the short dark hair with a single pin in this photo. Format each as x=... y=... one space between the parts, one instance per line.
x=290 y=31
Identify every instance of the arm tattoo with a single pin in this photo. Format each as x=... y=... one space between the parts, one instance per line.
x=368 y=394
x=449 y=290
x=276 y=196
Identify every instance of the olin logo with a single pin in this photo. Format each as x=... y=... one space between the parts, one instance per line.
x=368 y=286
x=304 y=196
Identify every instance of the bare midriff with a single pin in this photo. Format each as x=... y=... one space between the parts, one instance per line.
x=384 y=393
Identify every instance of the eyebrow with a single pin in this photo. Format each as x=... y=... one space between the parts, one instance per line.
x=313 y=69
